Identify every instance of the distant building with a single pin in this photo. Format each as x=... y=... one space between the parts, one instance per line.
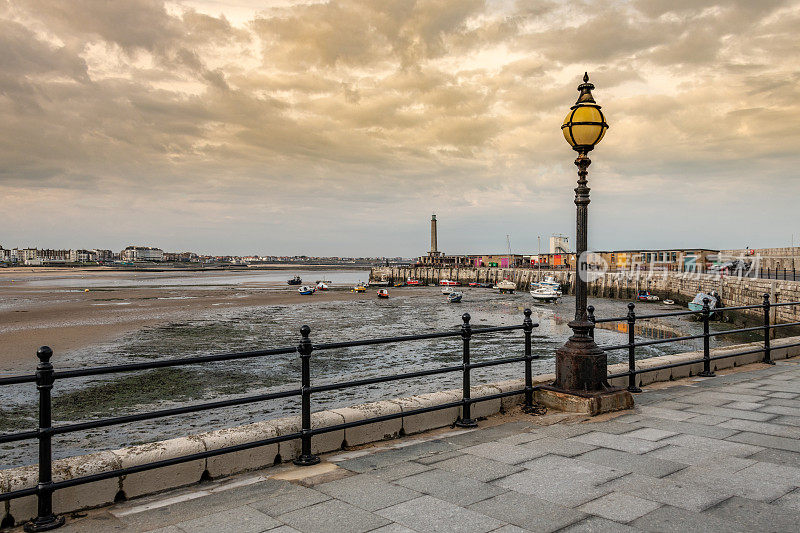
x=82 y=256
x=103 y=256
x=559 y=244
x=142 y=253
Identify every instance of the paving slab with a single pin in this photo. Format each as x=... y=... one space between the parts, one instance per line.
x=528 y=512
x=596 y=524
x=367 y=492
x=689 y=496
x=759 y=416
x=669 y=518
x=504 y=453
x=756 y=516
x=622 y=443
x=780 y=457
x=722 y=447
x=551 y=445
x=631 y=462
x=242 y=519
x=453 y=488
x=429 y=514
x=619 y=507
x=333 y=515
x=652 y=434
x=766 y=441
x=477 y=467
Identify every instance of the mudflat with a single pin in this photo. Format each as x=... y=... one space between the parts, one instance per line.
x=84 y=307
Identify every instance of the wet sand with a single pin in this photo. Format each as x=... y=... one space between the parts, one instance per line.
x=69 y=317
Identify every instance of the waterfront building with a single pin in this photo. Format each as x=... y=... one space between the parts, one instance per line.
x=559 y=244
x=676 y=260
x=142 y=253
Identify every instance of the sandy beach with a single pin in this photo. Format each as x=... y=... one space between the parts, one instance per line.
x=71 y=315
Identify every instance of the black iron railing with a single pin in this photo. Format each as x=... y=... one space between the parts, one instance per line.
x=705 y=315
x=46 y=376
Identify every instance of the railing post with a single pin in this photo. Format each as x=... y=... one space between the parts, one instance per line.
x=304 y=349
x=45 y=519
x=590 y=311
x=527 y=327
x=767 y=350
x=631 y=319
x=466 y=418
x=706 y=373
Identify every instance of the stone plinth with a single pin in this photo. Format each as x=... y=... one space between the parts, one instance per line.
x=590 y=403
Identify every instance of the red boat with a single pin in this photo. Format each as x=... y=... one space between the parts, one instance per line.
x=410 y=281
x=448 y=283
x=474 y=284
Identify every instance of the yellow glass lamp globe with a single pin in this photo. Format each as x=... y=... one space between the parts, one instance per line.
x=585 y=123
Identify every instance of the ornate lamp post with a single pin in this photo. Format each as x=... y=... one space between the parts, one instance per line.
x=580 y=363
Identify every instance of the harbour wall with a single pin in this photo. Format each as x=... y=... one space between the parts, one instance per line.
x=679 y=286
x=108 y=491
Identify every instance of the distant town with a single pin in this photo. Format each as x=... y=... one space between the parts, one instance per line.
x=144 y=255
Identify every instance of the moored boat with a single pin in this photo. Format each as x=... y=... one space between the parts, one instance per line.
x=322 y=285
x=506 y=286
x=413 y=282
x=645 y=296
x=544 y=294
x=447 y=290
x=305 y=289
x=448 y=283
x=400 y=284
x=454 y=297
x=359 y=288
x=697 y=303
x=383 y=293
x=548 y=281
x=295 y=281
x=474 y=284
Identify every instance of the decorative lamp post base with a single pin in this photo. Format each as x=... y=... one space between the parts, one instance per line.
x=306 y=460
x=581 y=385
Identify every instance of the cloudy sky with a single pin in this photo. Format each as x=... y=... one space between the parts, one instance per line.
x=339 y=127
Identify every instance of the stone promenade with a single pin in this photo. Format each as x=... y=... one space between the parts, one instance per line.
x=715 y=454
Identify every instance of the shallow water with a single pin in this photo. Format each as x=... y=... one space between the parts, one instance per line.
x=407 y=311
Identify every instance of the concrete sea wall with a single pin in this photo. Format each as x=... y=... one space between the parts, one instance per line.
x=107 y=491
x=679 y=286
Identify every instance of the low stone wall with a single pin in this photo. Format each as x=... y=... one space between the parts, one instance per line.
x=679 y=286
x=107 y=491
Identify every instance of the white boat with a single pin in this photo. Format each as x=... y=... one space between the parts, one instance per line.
x=322 y=286
x=506 y=286
x=548 y=281
x=448 y=290
x=447 y=282
x=454 y=297
x=545 y=294
x=305 y=289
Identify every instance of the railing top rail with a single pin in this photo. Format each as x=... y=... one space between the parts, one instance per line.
x=421 y=336
x=683 y=313
x=114 y=369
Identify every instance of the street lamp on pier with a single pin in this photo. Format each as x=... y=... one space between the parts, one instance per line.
x=580 y=363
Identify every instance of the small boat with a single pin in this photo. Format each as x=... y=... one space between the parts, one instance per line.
x=506 y=286
x=400 y=284
x=447 y=290
x=359 y=288
x=295 y=281
x=485 y=285
x=454 y=297
x=305 y=289
x=322 y=286
x=645 y=296
x=545 y=294
x=383 y=293
x=697 y=303
x=448 y=283
x=474 y=284
x=669 y=302
x=413 y=282
x=549 y=281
